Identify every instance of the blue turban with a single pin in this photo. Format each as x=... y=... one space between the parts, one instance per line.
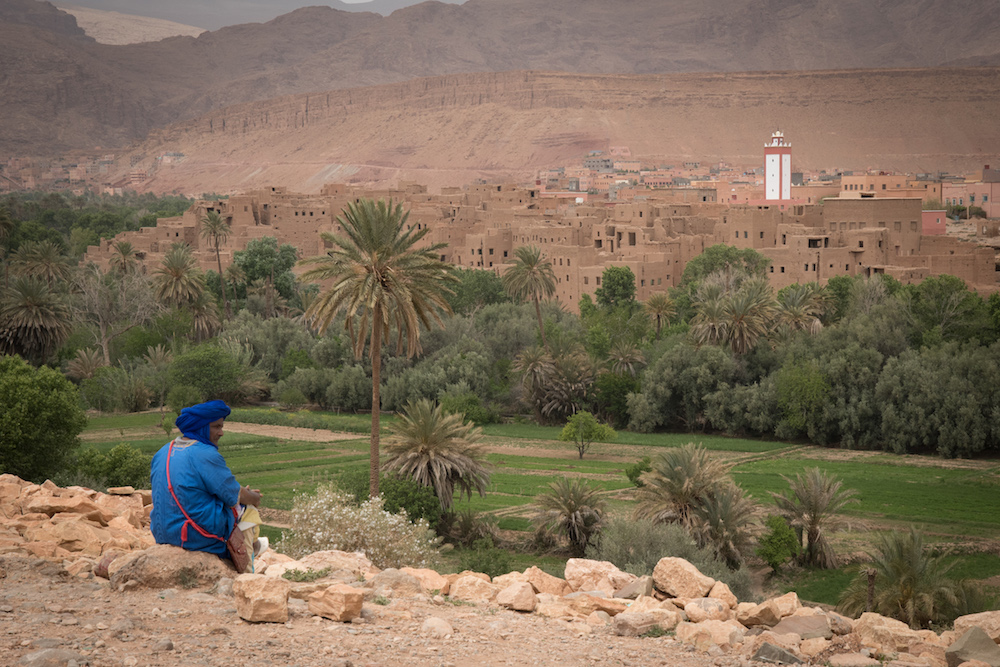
x=193 y=422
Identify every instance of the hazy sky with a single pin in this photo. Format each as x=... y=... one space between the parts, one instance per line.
x=214 y=14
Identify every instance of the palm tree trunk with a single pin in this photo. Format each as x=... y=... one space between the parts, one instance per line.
x=541 y=327
x=376 y=356
x=222 y=281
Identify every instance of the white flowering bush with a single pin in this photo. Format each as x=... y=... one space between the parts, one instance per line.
x=330 y=520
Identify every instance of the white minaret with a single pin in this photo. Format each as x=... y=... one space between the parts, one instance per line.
x=778 y=168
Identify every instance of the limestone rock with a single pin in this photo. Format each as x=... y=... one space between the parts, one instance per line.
x=640 y=587
x=546 y=583
x=724 y=634
x=473 y=589
x=806 y=627
x=704 y=609
x=786 y=605
x=814 y=646
x=789 y=643
x=595 y=575
x=633 y=624
x=52 y=657
x=167 y=566
x=678 y=578
x=437 y=628
x=395 y=583
x=886 y=634
x=338 y=602
x=775 y=654
x=852 y=660
x=987 y=621
x=505 y=580
x=586 y=603
x=519 y=596
x=974 y=644
x=598 y=618
x=429 y=579
x=720 y=591
x=261 y=599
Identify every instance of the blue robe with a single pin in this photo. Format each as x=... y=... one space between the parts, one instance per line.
x=206 y=488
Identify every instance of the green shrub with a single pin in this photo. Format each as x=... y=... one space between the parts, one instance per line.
x=350 y=390
x=399 y=494
x=307 y=575
x=485 y=557
x=634 y=471
x=467 y=527
x=293 y=360
x=40 y=419
x=292 y=399
x=469 y=404
x=182 y=396
x=211 y=370
x=636 y=546
x=328 y=519
x=779 y=544
x=123 y=465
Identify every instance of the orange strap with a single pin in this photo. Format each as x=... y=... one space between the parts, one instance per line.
x=189 y=520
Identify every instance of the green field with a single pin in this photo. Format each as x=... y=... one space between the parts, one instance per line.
x=953 y=502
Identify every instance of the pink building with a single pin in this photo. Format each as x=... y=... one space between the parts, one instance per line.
x=934 y=223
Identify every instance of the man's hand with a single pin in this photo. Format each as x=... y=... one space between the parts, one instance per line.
x=250 y=496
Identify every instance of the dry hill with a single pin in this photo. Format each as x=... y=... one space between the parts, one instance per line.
x=116 y=28
x=60 y=94
x=449 y=130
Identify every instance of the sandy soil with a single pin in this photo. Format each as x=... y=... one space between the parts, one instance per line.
x=42 y=607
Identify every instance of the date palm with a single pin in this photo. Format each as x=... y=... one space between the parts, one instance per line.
x=204 y=316
x=626 y=358
x=531 y=277
x=709 y=326
x=748 y=313
x=911 y=584
x=438 y=450
x=380 y=279
x=123 y=259
x=811 y=505
x=84 y=364
x=536 y=368
x=680 y=480
x=216 y=230
x=661 y=308
x=42 y=259
x=178 y=280
x=572 y=508
x=725 y=521
x=800 y=308
x=34 y=319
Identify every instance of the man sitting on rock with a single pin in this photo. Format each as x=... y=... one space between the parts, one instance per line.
x=196 y=498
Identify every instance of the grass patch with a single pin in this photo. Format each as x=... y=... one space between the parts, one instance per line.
x=822 y=586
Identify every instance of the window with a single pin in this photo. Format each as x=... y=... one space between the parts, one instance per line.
x=883 y=186
x=782 y=243
x=642 y=283
x=491 y=251
x=896 y=226
x=598 y=281
x=782 y=269
x=586 y=280
x=737 y=234
x=772 y=269
x=806 y=267
x=861 y=244
x=744 y=234
x=762 y=234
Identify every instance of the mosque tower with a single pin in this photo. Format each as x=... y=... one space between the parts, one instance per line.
x=778 y=168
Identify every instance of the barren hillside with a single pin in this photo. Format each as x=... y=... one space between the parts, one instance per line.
x=116 y=28
x=448 y=130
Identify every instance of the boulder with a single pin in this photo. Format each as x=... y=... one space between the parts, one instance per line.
x=596 y=575
x=775 y=654
x=974 y=644
x=395 y=583
x=338 y=602
x=505 y=580
x=52 y=657
x=786 y=605
x=806 y=627
x=429 y=579
x=518 y=596
x=705 y=609
x=437 y=628
x=987 y=621
x=82 y=506
x=599 y=618
x=633 y=623
x=261 y=599
x=640 y=587
x=885 y=634
x=814 y=646
x=667 y=615
x=546 y=583
x=720 y=591
x=167 y=566
x=852 y=660
x=586 y=603
x=473 y=589
x=724 y=634
x=678 y=578
x=753 y=642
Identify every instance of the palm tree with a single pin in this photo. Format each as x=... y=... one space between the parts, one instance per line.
x=439 y=450
x=216 y=230
x=811 y=505
x=748 y=314
x=123 y=259
x=572 y=508
x=566 y=391
x=34 y=319
x=42 y=259
x=84 y=364
x=205 y=316
x=380 y=279
x=910 y=584
x=7 y=223
x=626 y=358
x=178 y=280
x=709 y=326
x=158 y=360
x=536 y=368
x=531 y=277
x=661 y=308
x=680 y=480
x=800 y=308
x=725 y=520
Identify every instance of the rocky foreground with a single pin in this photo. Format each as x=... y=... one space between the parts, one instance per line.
x=81 y=583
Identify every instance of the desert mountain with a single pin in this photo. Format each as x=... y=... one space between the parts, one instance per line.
x=450 y=130
x=61 y=94
x=109 y=27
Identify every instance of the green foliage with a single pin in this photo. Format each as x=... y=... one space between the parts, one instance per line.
x=484 y=557
x=293 y=360
x=123 y=465
x=944 y=310
x=279 y=344
x=264 y=260
x=398 y=494
x=309 y=574
x=722 y=256
x=812 y=505
x=802 y=391
x=634 y=471
x=40 y=421
x=779 y=544
x=610 y=400
x=291 y=399
x=182 y=396
x=211 y=370
x=617 y=288
x=467 y=527
x=657 y=631
x=467 y=403
x=583 y=429
x=572 y=508
x=475 y=288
